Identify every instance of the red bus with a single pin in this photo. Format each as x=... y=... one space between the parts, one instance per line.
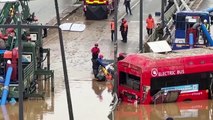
x=183 y=75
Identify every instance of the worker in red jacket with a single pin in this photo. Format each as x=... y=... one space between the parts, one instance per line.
x=95 y=51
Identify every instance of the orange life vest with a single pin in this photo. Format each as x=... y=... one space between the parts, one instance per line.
x=125 y=26
x=150 y=23
x=112 y=24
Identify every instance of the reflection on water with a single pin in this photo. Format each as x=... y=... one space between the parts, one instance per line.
x=34 y=108
x=100 y=86
x=196 y=110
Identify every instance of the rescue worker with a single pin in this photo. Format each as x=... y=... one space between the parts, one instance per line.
x=96 y=64
x=121 y=56
x=159 y=31
x=205 y=22
x=100 y=60
x=150 y=24
x=95 y=51
x=124 y=30
x=112 y=26
x=127 y=5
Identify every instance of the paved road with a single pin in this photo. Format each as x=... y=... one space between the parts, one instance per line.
x=133 y=35
x=45 y=9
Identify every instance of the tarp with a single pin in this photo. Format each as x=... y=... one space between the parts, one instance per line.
x=72 y=27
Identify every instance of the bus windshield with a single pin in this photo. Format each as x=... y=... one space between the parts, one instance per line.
x=129 y=80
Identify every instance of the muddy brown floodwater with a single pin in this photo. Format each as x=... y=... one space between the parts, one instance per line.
x=91 y=99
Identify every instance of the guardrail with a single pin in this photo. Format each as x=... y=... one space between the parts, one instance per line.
x=28 y=73
x=169 y=22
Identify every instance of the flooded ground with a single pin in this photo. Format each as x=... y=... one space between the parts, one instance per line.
x=91 y=99
x=197 y=110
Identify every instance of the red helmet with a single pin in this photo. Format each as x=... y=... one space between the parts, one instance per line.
x=124 y=20
x=101 y=56
x=96 y=44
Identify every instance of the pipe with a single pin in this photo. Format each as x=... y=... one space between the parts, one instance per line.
x=207 y=35
x=209 y=10
x=191 y=40
x=6 y=86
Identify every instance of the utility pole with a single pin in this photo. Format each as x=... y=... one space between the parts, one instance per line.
x=141 y=27
x=115 y=46
x=66 y=80
x=162 y=12
x=20 y=84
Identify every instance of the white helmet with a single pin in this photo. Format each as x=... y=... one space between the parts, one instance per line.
x=205 y=21
x=9 y=62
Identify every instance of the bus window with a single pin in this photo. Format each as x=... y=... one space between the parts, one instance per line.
x=129 y=80
x=180 y=80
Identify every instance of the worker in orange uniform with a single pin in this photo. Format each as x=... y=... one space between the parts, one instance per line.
x=124 y=30
x=112 y=26
x=150 y=24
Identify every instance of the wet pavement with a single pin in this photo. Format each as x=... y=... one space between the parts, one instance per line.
x=45 y=9
x=91 y=99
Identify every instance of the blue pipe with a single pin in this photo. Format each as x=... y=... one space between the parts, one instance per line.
x=191 y=40
x=207 y=34
x=209 y=10
x=6 y=86
x=5 y=113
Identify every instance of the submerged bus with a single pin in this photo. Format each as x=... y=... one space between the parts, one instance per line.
x=152 y=78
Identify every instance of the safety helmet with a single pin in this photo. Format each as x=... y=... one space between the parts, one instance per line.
x=205 y=21
x=124 y=20
x=96 y=44
x=101 y=56
x=122 y=54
